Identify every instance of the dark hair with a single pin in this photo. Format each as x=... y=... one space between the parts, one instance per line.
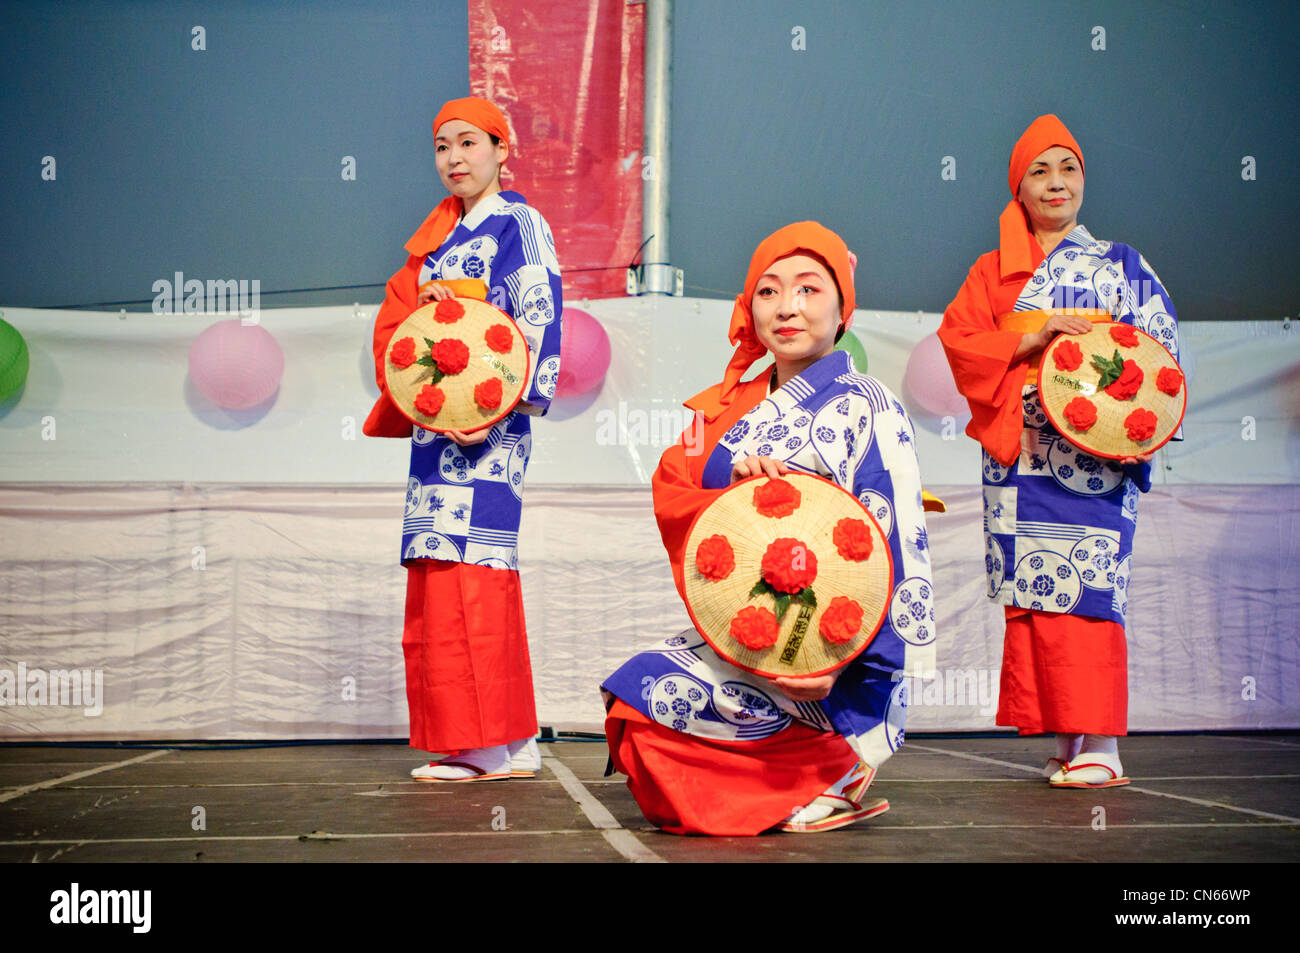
x=839 y=304
x=496 y=140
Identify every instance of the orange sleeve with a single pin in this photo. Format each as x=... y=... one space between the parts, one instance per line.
x=983 y=362
x=400 y=298
x=678 y=498
x=679 y=494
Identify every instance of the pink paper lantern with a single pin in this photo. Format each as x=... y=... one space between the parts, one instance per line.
x=236 y=366
x=929 y=382
x=584 y=354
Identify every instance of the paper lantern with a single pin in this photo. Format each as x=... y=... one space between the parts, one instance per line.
x=851 y=344
x=236 y=366
x=929 y=382
x=584 y=354
x=14 y=360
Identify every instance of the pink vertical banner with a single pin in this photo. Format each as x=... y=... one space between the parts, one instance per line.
x=570 y=79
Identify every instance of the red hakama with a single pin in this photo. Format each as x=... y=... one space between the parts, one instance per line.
x=685 y=784
x=1063 y=673
x=469 y=683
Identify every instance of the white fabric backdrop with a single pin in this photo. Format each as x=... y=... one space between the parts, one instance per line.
x=117 y=395
x=236 y=576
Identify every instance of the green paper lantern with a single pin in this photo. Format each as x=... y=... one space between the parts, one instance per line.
x=850 y=343
x=13 y=360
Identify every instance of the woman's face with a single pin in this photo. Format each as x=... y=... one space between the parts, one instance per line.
x=796 y=310
x=1052 y=190
x=468 y=162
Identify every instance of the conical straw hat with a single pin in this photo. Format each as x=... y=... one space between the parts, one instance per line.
x=811 y=532
x=494 y=350
x=1118 y=430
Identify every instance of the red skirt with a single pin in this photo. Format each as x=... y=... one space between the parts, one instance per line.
x=689 y=785
x=469 y=683
x=1063 y=673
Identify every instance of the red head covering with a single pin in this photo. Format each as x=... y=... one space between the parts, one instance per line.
x=809 y=238
x=1013 y=228
x=476 y=112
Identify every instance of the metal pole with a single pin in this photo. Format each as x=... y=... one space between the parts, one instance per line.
x=659 y=276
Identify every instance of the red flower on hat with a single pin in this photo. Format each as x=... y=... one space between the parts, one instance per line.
x=755 y=628
x=714 y=558
x=448 y=311
x=776 y=498
x=1081 y=413
x=852 y=539
x=841 y=621
x=1128 y=384
x=451 y=355
x=1124 y=335
x=1067 y=356
x=789 y=566
x=1169 y=380
x=403 y=353
x=499 y=338
x=429 y=400
x=1140 y=424
x=488 y=393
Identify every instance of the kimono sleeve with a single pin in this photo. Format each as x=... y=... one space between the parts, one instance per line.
x=527 y=271
x=400 y=298
x=1145 y=303
x=887 y=479
x=678 y=499
x=984 y=365
x=887 y=470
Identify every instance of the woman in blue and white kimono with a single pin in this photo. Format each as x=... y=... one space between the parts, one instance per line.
x=1059 y=522
x=710 y=748
x=468 y=679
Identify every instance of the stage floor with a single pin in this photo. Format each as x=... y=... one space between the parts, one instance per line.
x=1220 y=798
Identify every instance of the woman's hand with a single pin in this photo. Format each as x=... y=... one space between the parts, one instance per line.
x=432 y=291
x=757 y=466
x=469 y=439
x=1056 y=324
x=1140 y=458
x=807 y=689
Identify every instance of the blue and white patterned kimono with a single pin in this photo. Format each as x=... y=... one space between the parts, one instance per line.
x=1059 y=522
x=463 y=504
x=839 y=424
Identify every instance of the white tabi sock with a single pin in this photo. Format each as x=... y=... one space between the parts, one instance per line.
x=1067 y=746
x=492 y=762
x=524 y=755
x=827 y=803
x=1100 y=744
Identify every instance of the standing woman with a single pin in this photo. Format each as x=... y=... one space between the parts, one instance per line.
x=469 y=684
x=797 y=753
x=1064 y=663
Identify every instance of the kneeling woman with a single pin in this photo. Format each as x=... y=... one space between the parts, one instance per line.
x=809 y=746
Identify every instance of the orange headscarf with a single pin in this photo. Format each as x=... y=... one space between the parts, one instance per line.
x=808 y=237
x=1013 y=228
x=477 y=112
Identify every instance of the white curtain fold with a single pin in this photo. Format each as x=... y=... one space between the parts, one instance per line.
x=231 y=611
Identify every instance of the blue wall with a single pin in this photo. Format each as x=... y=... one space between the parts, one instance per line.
x=226 y=163
x=853 y=132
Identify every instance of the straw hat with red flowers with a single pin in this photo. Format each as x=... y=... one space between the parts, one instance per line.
x=787 y=577
x=1114 y=392
x=457 y=364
